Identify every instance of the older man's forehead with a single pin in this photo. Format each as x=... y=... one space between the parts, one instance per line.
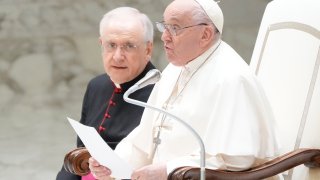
x=177 y=15
x=121 y=39
x=123 y=31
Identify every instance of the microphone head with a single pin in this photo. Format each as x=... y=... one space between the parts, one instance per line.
x=151 y=77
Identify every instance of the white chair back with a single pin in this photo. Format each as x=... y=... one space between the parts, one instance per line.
x=286 y=59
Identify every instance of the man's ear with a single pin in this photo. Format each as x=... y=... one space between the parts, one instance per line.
x=149 y=48
x=207 y=35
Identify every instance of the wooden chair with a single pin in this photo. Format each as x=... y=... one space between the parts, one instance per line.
x=286 y=59
x=76 y=162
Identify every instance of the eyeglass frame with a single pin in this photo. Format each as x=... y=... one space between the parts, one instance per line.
x=127 y=47
x=169 y=27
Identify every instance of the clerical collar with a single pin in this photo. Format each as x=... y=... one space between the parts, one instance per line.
x=197 y=62
x=125 y=86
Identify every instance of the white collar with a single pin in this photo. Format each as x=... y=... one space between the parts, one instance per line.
x=195 y=64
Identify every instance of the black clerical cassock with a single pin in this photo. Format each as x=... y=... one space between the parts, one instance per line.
x=104 y=108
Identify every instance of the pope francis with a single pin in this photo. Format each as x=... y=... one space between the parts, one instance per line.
x=209 y=86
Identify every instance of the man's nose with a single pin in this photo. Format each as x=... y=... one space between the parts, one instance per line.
x=118 y=54
x=166 y=36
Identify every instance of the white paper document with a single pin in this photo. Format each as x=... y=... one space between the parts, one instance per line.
x=100 y=151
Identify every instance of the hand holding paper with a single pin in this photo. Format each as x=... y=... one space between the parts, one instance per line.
x=100 y=151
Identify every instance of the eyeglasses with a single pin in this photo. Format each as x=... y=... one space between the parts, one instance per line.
x=173 y=29
x=111 y=47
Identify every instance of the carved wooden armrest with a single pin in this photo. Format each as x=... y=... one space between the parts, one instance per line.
x=76 y=161
x=308 y=157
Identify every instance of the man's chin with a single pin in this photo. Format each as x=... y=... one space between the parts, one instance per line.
x=171 y=58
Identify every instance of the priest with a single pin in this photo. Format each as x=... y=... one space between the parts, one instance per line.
x=126 y=38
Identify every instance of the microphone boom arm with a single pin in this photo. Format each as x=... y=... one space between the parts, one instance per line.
x=196 y=135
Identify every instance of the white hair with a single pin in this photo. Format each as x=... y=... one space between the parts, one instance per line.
x=130 y=12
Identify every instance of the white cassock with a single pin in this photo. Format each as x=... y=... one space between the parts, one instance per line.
x=219 y=96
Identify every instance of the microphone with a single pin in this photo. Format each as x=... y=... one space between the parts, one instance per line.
x=152 y=77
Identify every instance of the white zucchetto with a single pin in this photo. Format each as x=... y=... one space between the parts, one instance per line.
x=214 y=12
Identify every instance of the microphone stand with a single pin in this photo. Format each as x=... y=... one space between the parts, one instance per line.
x=196 y=135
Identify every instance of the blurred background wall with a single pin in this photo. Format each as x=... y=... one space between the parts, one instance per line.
x=49 y=51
